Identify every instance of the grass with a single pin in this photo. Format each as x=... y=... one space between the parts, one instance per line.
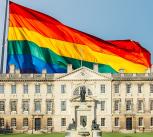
x=128 y=135
x=62 y=135
x=34 y=135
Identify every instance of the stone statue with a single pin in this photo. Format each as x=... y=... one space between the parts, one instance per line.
x=72 y=125
x=95 y=126
x=82 y=94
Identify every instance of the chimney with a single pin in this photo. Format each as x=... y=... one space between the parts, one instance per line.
x=95 y=67
x=69 y=68
x=121 y=70
x=12 y=68
x=17 y=71
x=152 y=68
x=148 y=70
x=44 y=71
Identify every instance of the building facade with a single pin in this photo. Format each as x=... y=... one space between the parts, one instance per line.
x=49 y=102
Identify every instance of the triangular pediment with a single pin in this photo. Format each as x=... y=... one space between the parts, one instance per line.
x=84 y=73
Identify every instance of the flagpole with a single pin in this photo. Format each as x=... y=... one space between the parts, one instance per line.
x=81 y=56
x=3 y=56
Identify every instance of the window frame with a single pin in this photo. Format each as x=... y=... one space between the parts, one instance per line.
x=2 y=122
x=49 y=105
x=49 y=122
x=37 y=88
x=102 y=88
x=103 y=104
x=25 y=122
x=128 y=88
x=13 y=122
x=151 y=88
x=49 y=88
x=117 y=88
x=140 y=122
x=1 y=88
x=140 y=106
x=116 y=105
x=63 y=122
x=130 y=105
x=103 y=122
x=13 y=89
x=2 y=106
x=24 y=105
x=63 y=106
x=12 y=107
x=37 y=111
x=116 y=122
x=25 y=89
x=63 y=88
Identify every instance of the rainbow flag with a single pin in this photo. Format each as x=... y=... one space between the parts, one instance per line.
x=37 y=41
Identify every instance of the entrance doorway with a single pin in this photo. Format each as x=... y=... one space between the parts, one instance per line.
x=129 y=123
x=37 y=123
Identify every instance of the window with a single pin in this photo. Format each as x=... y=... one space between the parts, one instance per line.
x=140 y=105
x=2 y=106
x=49 y=122
x=116 y=122
x=25 y=122
x=151 y=121
x=128 y=105
x=63 y=105
x=13 y=122
x=63 y=121
x=25 y=89
x=128 y=88
x=102 y=86
x=151 y=88
x=13 y=89
x=25 y=106
x=1 y=122
x=102 y=105
x=37 y=88
x=1 y=89
x=103 y=122
x=151 y=105
x=116 y=105
x=37 y=106
x=63 y=88
x=13 y=105
x=139 y=88
x=116 y=88
x=49 y=88
x=49 y=105
x=140 y=121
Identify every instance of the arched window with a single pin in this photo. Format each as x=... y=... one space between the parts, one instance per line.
x=77 y=91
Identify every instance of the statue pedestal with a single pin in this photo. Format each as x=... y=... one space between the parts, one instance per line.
x=83 y=133
x=96 y=133
x=71 y=133
x=83 y=112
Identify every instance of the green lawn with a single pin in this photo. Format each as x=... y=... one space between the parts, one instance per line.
x=128 y=135
x=62 y=135
x=34 y=135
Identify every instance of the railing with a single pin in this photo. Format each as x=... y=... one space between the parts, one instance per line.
x=117 y=76
x=26 y=76
x=132 y=76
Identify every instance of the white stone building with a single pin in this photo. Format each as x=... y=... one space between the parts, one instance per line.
x=118 y=102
